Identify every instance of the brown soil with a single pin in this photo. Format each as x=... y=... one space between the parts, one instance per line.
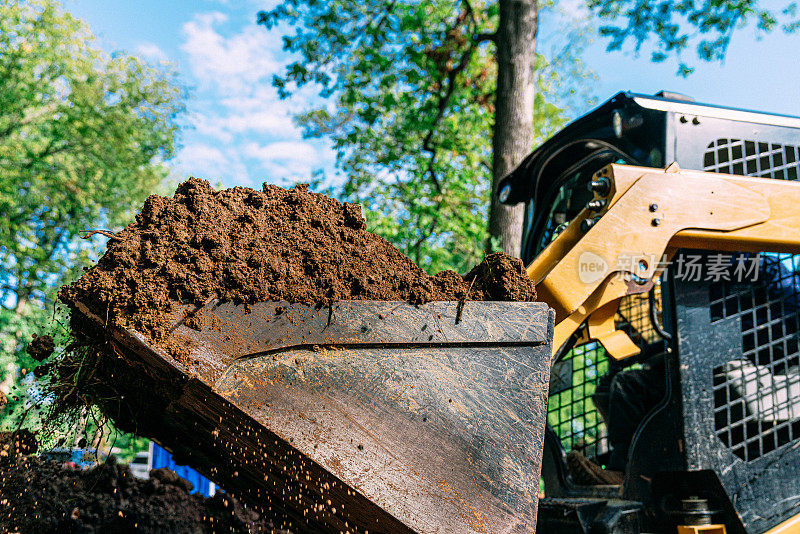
x=17 y=443
x=42 y=496
x=41 y=347
x=247 y=246
x=243 y=246
x=500 y=277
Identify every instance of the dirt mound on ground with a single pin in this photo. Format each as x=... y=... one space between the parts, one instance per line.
x=500 y=277
x=41 y=496
x=277 y=244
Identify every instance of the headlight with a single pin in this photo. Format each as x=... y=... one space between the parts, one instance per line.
x=616 y=122
x=504 y=193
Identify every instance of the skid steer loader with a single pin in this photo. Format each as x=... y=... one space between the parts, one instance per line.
x=440 y=418
x=721 y=448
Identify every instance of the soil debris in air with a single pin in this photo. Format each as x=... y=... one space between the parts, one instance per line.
x=277 y=244
x=41 y=347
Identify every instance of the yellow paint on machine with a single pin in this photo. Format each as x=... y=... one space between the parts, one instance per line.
x=701 y=529
x=790 y=526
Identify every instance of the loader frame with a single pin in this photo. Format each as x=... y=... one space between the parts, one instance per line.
x=700 y=440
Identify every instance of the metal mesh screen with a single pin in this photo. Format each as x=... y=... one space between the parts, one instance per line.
x=634 y=317
x=575 y=378
x=750 y=158
x=757 y=396
x=570 y=409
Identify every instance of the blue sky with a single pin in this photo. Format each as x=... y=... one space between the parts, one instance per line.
x=240 y=133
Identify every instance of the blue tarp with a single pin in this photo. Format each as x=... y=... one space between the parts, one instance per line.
x=160 y=457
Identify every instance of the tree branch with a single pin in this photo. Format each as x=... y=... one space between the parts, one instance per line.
x=30 y=117
x=444 y=100
x=469 y=11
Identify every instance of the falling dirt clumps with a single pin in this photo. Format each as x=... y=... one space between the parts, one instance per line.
x=44 y=496
x=277 y=244
x=17 y=443
x=41 y=347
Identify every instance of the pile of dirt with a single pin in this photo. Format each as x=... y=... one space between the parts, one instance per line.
x=247 y=246
x=237 y=245
x=42 y=496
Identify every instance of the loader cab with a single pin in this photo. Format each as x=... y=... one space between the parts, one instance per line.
x=705 y=438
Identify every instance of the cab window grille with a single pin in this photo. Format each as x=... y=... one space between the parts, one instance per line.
x=574 y=394
x=750 y=158
x=757 y=396
x=570 y=410
x=635 y=319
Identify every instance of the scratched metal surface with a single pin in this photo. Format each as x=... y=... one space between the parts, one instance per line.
x=444 y=439
x=232 y=332
x=438 y=422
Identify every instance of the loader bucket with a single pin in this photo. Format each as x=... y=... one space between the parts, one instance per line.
x=362 y=417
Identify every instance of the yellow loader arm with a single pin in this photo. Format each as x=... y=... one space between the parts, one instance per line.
x=638 y=218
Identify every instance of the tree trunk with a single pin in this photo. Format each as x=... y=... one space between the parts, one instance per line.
x=513 y=128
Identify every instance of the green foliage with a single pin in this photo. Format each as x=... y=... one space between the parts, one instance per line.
x=411 y=88
x=676 y=24
x=83 y=138
x=128 y=445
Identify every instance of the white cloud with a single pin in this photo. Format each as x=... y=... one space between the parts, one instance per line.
x=256 y=5
x=212 y=163
x=230 y=63
x=282 y=151
x=223 y=126
x=211 y=126
x=263 y=121
x=151 y=52
x=290 y=161
x=248 y=102
x=200 y=155
x=241 y=131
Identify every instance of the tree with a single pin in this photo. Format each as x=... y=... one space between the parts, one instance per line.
x=413 y=87
x=674 y=25
x=420 y=87
x=83 y=140
x=515 y=40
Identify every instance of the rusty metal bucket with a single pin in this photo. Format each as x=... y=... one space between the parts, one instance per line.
x=363 y=417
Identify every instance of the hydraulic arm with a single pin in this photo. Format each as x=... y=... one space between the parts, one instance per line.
x=638 y=218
